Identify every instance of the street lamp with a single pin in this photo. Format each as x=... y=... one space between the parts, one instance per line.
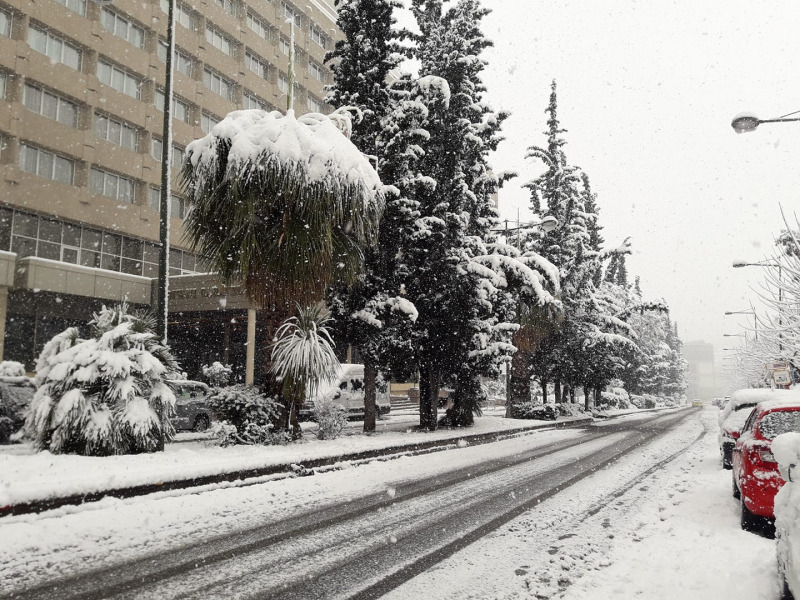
x=747 y=122
x=549 y=223
x=734 y=335
x=745 y=312
x=738 y=264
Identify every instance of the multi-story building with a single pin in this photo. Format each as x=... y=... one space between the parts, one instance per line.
x=81 y=101
x=702 y=373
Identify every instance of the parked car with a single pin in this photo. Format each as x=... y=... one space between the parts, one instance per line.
x=191 y=408
x=15 y=397
x=786 y=449
x=347 y=391
x=733 y=416
x=756 y=478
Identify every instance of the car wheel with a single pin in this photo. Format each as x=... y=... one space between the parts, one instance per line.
x=736 y=493
x=749 y=521
x=201 y=423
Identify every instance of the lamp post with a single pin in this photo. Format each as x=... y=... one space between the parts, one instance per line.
x=548 y=223
x=745 y=312
x=165 y=209
x=739 y=264
x=747 y=122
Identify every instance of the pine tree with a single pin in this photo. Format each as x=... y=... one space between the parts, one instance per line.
x=367 y=313
x=460 y=278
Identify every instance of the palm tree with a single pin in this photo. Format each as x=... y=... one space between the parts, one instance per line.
x=283 y=205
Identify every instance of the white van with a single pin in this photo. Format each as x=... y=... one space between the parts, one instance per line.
x=347 y=391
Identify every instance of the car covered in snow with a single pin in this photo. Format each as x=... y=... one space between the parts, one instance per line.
x=786 y=450
x=756 y=477
x=733 y=416
x=191 y=406
x=15 y=398
x=347 y=392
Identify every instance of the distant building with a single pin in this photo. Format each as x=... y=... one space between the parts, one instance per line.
x=81 y=115
x=702 y=373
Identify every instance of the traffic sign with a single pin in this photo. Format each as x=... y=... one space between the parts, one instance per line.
x=782 y=377
x=777 y=366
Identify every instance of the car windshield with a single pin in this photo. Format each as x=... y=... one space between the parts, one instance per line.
x=775 y=423
x=737 y=418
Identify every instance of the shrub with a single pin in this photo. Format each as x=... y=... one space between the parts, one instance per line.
x=12 y=368
x=649 y=402
x=247 y=416
x=109 y=394
x=331 y=419
x=542 y=412
x=217 y=374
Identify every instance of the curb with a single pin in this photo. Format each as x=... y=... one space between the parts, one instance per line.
x=38 y=506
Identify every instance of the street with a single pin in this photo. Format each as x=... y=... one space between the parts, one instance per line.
x=360 y=533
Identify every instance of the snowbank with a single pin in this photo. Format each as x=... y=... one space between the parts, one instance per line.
x=26 y=478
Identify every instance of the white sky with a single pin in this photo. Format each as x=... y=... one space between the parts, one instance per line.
x=647 y=90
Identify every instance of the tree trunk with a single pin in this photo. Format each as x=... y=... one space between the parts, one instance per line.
x=370 y=389
x=572 y=394
x=597 y=396
x=557 y=391
x=544 y=391
x=586 y=392
x=428 y=398
x=520 y=388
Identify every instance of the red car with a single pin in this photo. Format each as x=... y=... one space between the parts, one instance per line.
x=756 y=479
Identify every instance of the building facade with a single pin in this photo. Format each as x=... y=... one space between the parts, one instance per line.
x=81 y=101
x=702 y=372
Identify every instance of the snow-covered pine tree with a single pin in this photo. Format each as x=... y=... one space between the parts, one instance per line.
x=108 y=394
x=372 y=314
x=460 y=279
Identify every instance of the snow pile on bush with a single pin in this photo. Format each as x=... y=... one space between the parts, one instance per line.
x=331 y=419
x=246 y=416
x=105 y=395
x=12 y=368
x=217 y=374
x=617 y=397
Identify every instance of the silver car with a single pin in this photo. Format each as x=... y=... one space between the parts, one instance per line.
x=191 y=410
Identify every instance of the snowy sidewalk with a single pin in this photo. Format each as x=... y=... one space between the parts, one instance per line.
x=37 y=479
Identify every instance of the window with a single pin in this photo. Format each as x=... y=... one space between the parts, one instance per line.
x=122 y=27
x=182 y=15
x=46 y=164
x=116 y=132
x=318 y=37
x=284 y=46
x=180 y=108
x=218 y=84
x=157 y=148
x=55 y=48
x=290 y=12
x=316 y=71
x=120 y=80
x=181 y=62
x=207 y=122
x=252 y=101
x=258 y=26
x=313 y=104
x=5 y=23
x=177 y=204
x=257 y=65
x=111 y=186
x=2 y=85
x=49 y=105
x=283 y=83
x=76 y=6
x=778 y=422
x=227 y=5
x=219 y=41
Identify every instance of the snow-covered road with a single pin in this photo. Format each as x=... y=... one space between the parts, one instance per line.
x=349 y=530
